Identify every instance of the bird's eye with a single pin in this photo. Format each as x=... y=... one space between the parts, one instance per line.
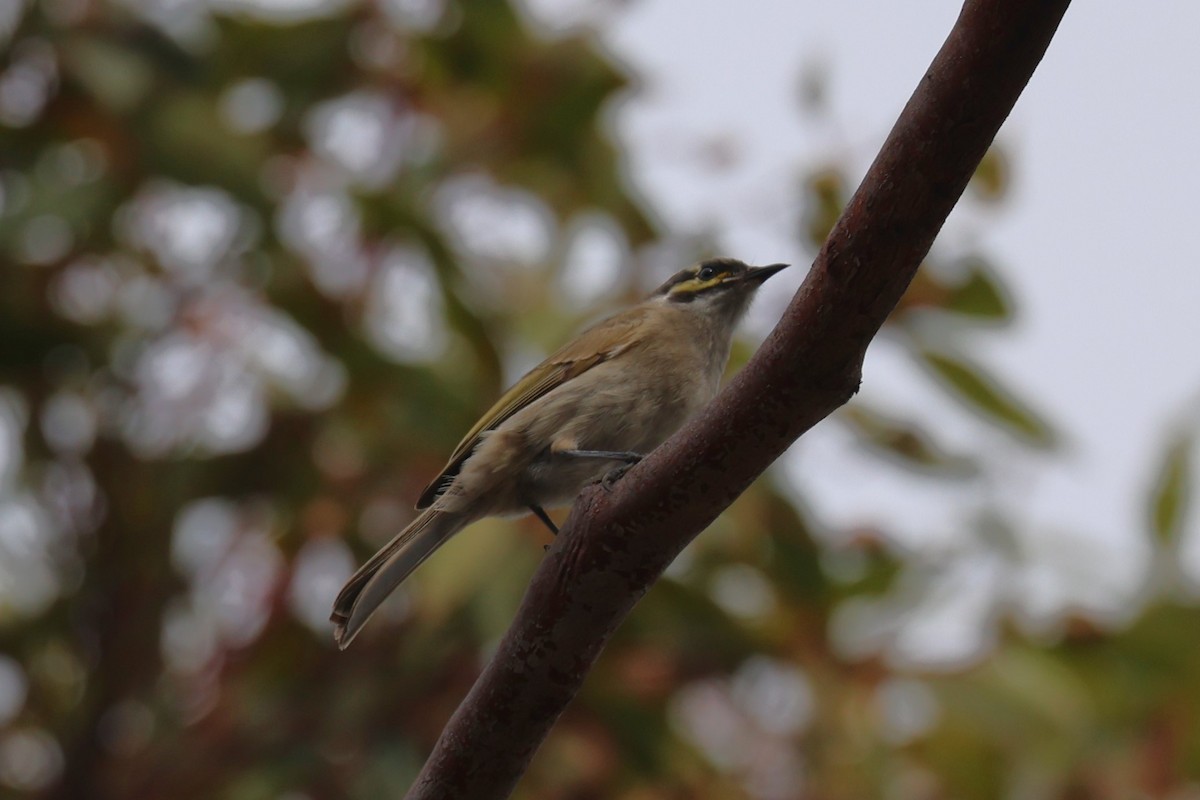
x=707 y=273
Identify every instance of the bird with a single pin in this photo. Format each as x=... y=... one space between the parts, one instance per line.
x=589 y=411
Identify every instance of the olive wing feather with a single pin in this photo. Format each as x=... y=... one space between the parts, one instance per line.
x=594 y=346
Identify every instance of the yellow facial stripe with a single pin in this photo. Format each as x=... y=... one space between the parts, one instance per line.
x=694 y=285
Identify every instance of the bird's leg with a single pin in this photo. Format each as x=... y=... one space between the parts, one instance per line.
x=613 y=475
x=541 y=514
x=608 y=455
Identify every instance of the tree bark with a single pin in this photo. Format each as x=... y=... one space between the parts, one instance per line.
x=615 y=545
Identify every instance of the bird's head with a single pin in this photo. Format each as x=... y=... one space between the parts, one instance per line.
x=721 y=286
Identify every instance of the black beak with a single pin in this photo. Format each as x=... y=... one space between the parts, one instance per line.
x=760 y=274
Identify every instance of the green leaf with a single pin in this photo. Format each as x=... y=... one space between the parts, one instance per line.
x=981 y=392
x=992 y=177
x=1169 y=498
x=981 y=294
x=902 y=440
x=118 y=77
x=824 y=196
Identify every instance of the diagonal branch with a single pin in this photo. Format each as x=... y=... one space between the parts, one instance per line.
x=614 y=546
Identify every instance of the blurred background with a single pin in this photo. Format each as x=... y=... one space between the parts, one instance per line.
x=262 y=262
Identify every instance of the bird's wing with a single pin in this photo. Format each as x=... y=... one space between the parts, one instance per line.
x=596 y=345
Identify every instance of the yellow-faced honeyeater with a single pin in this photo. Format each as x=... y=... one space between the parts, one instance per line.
x=614 y=393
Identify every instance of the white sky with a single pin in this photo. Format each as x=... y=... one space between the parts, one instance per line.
x=1097 y=241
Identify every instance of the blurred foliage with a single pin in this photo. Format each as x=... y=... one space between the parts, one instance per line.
x=1170 y=494
x=261 y=267
x=980 y=391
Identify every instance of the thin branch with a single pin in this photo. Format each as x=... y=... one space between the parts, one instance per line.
x=615 y=545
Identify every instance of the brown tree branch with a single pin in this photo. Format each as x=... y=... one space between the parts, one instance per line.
x=614 y=546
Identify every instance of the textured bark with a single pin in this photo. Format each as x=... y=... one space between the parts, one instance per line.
x=615 y=545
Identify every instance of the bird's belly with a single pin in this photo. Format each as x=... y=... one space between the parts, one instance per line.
x=555 y=481
x=520 y=464
x=614 y=420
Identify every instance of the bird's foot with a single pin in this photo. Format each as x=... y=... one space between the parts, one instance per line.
x=612 y=476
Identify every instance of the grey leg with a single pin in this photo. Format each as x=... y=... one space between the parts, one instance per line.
x=608 y=455
x=541 y=514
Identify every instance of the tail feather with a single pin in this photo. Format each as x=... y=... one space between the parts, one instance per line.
x=380 y=576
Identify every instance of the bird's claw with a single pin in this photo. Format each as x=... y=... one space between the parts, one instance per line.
x=612 y=476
